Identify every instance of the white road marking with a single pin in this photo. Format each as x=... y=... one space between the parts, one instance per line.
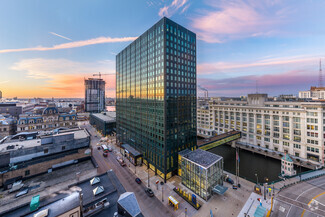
x=308 y=190
x=282 y=209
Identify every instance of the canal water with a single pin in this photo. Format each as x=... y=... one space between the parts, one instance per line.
x=251 y=164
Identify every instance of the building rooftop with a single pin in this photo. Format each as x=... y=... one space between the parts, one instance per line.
x=130 y=204
x=201 y=157
x=109 y=116
x=15 y=144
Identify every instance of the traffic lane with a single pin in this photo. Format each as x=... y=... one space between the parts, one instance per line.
x=150 y=206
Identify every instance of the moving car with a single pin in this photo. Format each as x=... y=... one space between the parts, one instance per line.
x=104 y=154
x=121 y=161
x=109 y=148
x=149 y=192
x=137 y=180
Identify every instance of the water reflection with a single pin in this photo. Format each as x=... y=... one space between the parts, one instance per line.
x=251 y=164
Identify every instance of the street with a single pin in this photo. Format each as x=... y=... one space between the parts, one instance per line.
x=304 y=199
x=150 y=206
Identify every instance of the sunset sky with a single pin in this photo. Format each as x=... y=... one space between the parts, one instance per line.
x=48 y=47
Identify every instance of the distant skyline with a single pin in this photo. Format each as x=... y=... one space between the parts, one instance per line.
x=47 y=48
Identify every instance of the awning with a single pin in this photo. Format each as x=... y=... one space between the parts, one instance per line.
x=219 y=189
x=260 y=211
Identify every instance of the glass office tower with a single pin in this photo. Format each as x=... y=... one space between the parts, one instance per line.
x=156 y=95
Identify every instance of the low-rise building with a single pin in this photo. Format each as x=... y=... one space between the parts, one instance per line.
x=21 y=159
x=11 y=109
x=104 y=122
x=8 y=126
x=49 y=119
x=314 y=93
x=99 y=196
x=201 y=171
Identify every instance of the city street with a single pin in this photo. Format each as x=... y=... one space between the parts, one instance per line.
x=303 y=199
x=150 y=206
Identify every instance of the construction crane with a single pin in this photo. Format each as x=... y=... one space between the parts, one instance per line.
x=100 y=74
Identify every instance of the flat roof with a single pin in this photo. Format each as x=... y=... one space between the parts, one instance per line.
x=61 y=206
x=109 y=116
x=11 y=145
x=200 y=157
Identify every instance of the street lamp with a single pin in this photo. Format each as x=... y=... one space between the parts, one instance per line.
x=256 y=178
x=266 y=179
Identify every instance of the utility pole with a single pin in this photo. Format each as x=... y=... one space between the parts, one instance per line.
x=237 y=165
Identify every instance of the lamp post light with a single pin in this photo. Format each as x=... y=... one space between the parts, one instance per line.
x=265 y=184
x=256 y=178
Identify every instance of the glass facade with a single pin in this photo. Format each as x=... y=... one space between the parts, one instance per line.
x=201 y=180
x=156 y=95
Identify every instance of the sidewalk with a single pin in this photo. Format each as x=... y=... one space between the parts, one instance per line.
x=252 y=203
x=167 y=188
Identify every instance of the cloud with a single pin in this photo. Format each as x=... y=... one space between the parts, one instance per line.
x=3 y=82
x=61 y=36
x=218 y=67
x=289 y=82
x=169 y=10
x=99 y=40
x=233 y=19
x=62 y=77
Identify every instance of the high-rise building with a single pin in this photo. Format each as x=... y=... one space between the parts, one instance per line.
x=0 y=94
x=94 y=95
x=156 y=95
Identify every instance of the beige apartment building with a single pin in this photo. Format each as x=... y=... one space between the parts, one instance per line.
x=295 y=127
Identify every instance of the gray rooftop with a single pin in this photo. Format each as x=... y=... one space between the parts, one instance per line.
x=10 y=145
x=109 y=116
x=201 y=157
x=129 y=202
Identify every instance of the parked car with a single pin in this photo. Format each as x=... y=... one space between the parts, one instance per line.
x=137 y=180
x=98 y=147
x=149 y=192
x=104 y=154
x=21 y=193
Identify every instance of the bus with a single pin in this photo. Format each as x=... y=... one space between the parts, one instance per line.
x=105 y=149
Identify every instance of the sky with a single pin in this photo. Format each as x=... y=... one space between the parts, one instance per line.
x=48 y=47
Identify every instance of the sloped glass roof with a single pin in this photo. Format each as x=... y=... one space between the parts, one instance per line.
x=95 y=180
x=98 y=190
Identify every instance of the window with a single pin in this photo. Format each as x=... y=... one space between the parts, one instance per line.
x=27 y=172
x=63 y=148
x=46 y=151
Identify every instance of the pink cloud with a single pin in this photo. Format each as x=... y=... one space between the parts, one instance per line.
x=169 y=10
x=287 y=82
x=231 y=19
x=217 y=67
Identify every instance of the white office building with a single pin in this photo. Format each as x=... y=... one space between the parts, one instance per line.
x=295 y=127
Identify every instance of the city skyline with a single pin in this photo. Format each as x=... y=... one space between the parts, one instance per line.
x=50 y=47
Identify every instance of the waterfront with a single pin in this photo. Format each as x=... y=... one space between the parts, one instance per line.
x=251 y=164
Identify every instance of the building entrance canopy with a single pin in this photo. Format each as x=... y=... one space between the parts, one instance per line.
x=219 y=189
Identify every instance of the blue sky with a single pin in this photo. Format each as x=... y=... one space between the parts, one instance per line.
x=48 y=47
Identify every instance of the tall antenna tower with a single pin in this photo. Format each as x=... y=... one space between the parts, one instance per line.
x=320 y=79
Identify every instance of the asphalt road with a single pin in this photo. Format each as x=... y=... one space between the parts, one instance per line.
x=304 y=199
x=150 y=206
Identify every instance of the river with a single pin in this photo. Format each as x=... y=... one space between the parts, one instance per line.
x=251 y=164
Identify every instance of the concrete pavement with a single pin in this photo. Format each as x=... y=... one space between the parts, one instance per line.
x=303 y=199
x=150 y=206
